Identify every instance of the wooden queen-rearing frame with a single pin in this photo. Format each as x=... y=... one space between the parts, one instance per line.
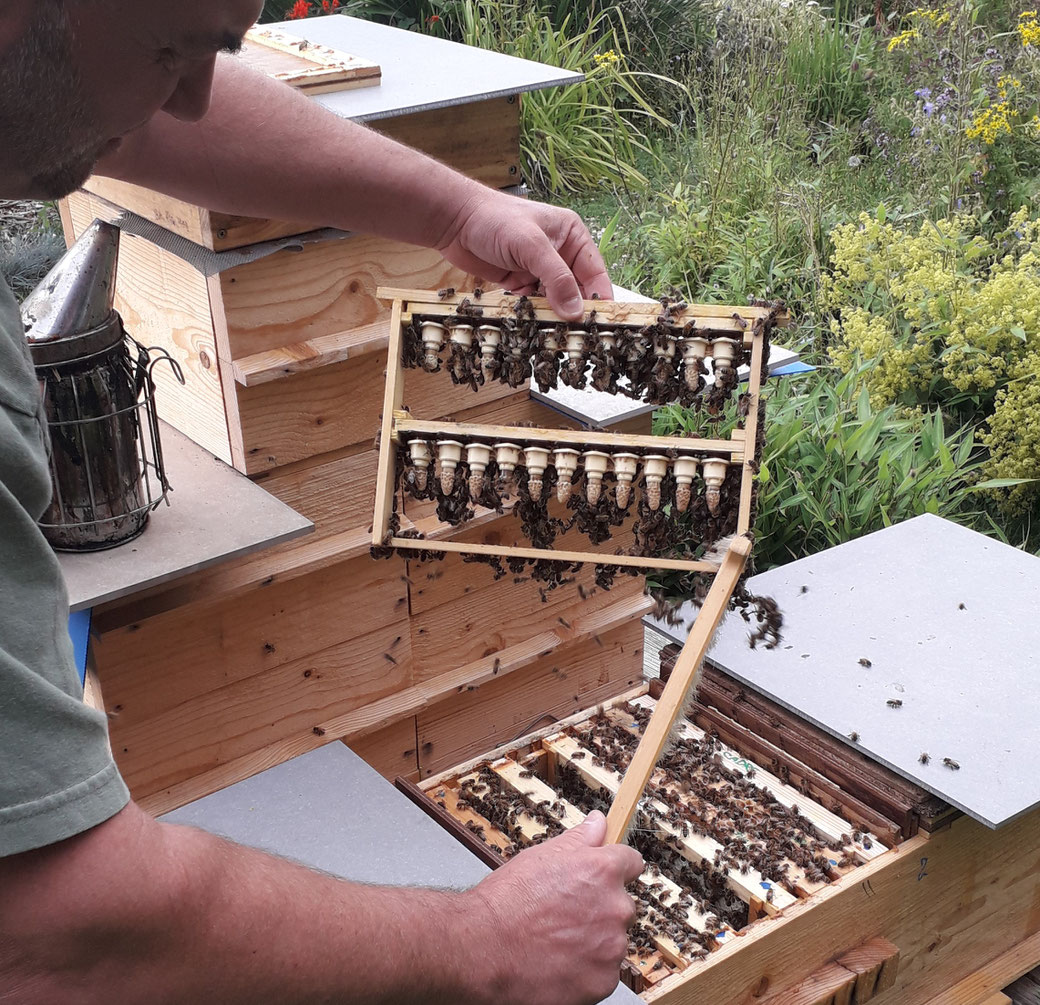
x=749 y=326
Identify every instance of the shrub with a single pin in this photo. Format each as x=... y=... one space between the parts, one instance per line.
x=835 y=468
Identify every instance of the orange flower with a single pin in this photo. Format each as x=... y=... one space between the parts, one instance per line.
x=300 y=10
x=433 y=18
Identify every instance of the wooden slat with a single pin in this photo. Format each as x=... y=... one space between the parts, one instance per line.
x=583 y=438
x=678 y=689
x=607 y=311
x=305 y=65
x=274 y=364
x=385 y=476
x=697 y=848
x=532 y=738
x=750 y=433
x=632 y=561
x=829 y=826
x=442 y=806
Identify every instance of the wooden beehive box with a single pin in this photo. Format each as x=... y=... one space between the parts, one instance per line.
x=768 y=880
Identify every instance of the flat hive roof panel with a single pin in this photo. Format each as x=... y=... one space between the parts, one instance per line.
x=419 y=71
x=947 y=619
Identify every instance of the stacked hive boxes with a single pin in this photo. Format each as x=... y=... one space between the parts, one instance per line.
x=230 y=670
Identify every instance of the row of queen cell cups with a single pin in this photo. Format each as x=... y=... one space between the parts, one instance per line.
x=565 y=460
x=692 y=348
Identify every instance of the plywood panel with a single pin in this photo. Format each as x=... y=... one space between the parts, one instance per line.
x=164 y=302
x=312 y=413
x=285 y=704
x=336 y=491
x=481 y=139
x=568 y=680
x=499 y=615
x=326 y=288
x=160 y=662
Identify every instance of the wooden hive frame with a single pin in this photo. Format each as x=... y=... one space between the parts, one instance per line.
x=657 y=330
x=748 y=325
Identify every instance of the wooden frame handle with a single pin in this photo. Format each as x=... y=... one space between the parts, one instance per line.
x=676 y=692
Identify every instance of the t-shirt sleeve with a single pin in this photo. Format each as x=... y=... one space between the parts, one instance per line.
x=57 y=775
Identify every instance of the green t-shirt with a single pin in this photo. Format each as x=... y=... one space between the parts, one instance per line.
x=57 y=776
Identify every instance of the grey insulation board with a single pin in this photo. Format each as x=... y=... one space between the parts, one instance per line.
x=968 y=677
x=419 y=71
x=329 y=810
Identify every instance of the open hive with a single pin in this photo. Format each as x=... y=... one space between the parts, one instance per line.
x=726 y=843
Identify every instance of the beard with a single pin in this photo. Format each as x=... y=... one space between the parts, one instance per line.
x=47 y=128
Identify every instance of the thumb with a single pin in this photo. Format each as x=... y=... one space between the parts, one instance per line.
x=590 y=833
x=561 y=288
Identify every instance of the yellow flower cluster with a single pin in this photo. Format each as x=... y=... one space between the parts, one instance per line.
x=899 y=365
x=992 y=123
x=610 y=56
x=1029 y=27
x=1006 y=84
x=939 y=306
x=1013 y=433
x=938 y=15
x=903 y=38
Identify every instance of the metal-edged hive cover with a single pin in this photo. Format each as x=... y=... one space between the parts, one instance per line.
x=948 y=621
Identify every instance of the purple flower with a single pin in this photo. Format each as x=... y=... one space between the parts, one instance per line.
x=929 y=107
x=923 y=92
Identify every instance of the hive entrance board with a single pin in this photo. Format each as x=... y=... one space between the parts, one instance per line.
x=307 y=66
x=661 y=352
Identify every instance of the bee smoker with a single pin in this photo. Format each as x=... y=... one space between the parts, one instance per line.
x=99 y=401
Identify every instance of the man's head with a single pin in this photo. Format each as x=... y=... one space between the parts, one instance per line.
x=76 y=76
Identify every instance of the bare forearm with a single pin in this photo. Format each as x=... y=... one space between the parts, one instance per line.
x=182 y=916
x=265 y=150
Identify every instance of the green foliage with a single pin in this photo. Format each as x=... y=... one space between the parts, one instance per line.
x=836 y=468
x=1013 y=438
x=827 y=64
x=25 y=258
x=943 y=315
x=576 y=137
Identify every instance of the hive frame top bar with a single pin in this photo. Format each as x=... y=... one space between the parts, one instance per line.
x=743 y=323
x=718 y=317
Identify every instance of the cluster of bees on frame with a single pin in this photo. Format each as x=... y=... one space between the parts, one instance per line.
x=596 y=487
x=660 y=362
x=695 y=794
